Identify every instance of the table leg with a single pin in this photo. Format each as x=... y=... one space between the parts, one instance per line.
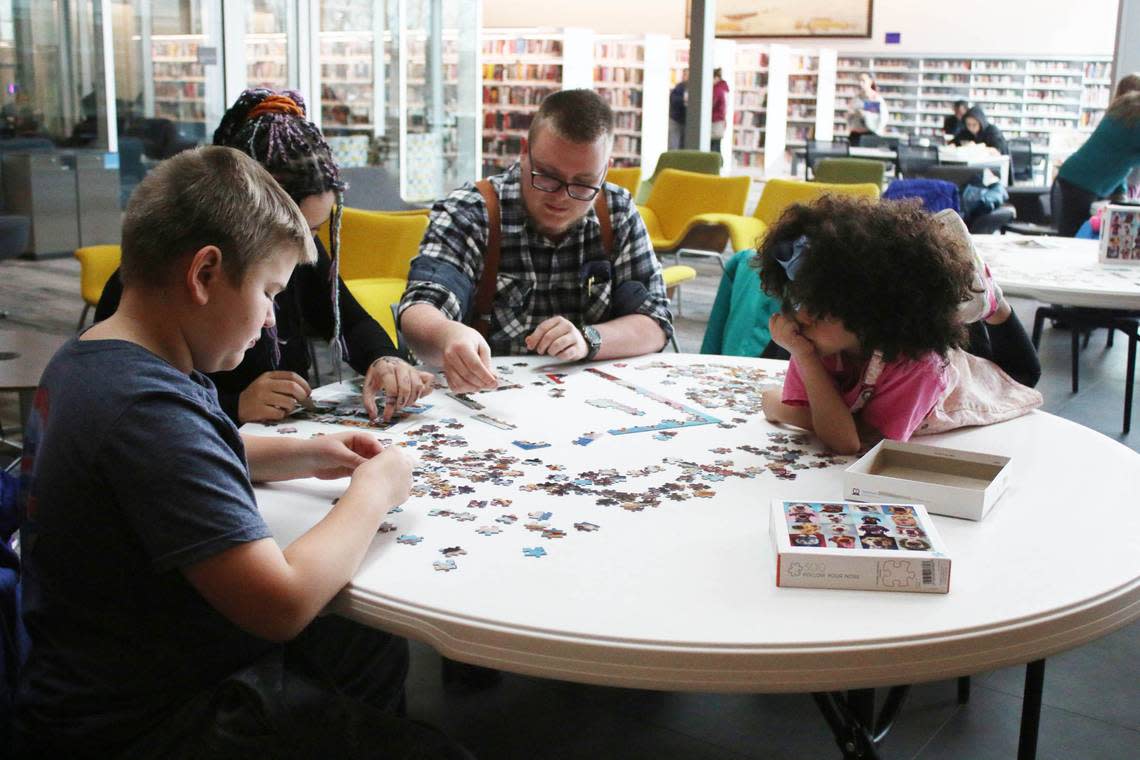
x=851 y=718
x=1031 y=710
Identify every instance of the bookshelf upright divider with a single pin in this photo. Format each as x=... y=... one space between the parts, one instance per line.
x=655 y=101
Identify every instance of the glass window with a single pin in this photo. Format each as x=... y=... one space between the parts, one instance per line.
x=266 y=43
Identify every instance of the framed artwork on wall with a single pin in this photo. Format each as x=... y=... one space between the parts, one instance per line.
x=790 y=18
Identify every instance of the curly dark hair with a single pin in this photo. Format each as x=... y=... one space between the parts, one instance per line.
x=888 y=271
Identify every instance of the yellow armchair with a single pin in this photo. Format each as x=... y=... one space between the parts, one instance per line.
x=377 y=243
x=628 y=177
x=96 y=265
x=681 y=200
x=748 y=231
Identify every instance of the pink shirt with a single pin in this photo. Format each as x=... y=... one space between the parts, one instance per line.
x=905 y=392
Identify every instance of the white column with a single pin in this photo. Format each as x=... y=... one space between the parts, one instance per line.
x=234 y=72
x=724 y=58
x=577 y=59
x=776 y=121
x=1127 y=58
x=105 y=72
x=654 y=100
x=825 y=95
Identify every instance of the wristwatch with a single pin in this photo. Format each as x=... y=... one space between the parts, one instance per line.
x=593 y=341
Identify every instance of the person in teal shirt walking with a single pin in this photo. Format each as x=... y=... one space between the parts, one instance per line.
x=1101 y=166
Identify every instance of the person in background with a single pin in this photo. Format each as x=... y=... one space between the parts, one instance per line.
x=867 y=112
x=719 y=110
x=976 y=128
x=954 y=122
x=678 y=101
x=1100 y=168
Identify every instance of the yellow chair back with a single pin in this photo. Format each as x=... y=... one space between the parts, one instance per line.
x=377 y=243
x=678 y=196
x=96 y=265
x=628 y=177
x=778 y=194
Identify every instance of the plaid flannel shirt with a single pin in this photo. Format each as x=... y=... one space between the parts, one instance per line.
x=537 y=278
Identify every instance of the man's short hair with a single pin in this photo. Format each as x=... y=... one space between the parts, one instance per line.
x=209 y=196
x=580 y=116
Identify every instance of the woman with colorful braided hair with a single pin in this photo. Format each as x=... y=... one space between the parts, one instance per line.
x=272 y=128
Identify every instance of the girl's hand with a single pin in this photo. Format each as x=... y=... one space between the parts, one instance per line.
x=338 y=456
x=787 y=335
x=387 y=476
x=401 y=382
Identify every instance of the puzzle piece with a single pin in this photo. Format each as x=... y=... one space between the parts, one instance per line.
x=586 y=527
x=494 y=421
x=605 y=403
x=446 y=565
x=489 y=530
x=386 y=527
x=409 y=538
x=530 y=445
x=540 y=516
x=553 y=533
x=286 y=429
x=452 y=551
x=536 y=551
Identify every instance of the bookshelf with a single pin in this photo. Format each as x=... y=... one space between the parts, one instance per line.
x=267 y=63
x=619 y=77
x=520 y=68
x=1025 y=96
x=750 y=99
x=348 y=80
x=179 y=79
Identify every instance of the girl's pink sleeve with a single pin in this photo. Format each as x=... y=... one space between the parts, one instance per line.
x=795 y=394
x=904 y=394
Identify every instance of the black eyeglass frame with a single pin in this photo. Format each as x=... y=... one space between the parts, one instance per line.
x=560 y=183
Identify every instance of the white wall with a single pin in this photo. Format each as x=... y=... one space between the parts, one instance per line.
x=983 y=27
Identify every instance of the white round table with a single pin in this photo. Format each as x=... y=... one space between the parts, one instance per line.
x=682 y=595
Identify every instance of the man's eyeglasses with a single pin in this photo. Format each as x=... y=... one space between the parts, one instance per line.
x=547 y=184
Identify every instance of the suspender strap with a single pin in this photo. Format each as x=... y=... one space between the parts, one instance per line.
x=485 y=293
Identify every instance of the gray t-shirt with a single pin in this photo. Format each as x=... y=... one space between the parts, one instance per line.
x=135 y=472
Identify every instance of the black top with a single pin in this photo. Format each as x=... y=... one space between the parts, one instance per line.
x=988 y=134
x=304 y=307
x=951 y=124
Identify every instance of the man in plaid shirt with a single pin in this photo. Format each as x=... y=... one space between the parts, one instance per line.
x=558 y=293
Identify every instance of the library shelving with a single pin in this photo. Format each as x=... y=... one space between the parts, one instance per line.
x=750 y=99
x=520 y=68
x=1026 y=96
x=179 y=79
x=619 y=77
x=348 y=79
x=266 y=58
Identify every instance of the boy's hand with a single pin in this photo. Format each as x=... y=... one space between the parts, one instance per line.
x=467 y=360
x=787 y=335
x=338 y=456
x=272 y=396
x=401 y=382
x=387 y=475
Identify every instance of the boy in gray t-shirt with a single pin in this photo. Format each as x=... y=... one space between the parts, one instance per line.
x=164 y=620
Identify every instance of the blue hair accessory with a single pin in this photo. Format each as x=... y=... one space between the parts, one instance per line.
x=790 y=255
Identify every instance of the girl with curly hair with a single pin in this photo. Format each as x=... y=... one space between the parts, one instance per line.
x=876 y=301
x=271 y=127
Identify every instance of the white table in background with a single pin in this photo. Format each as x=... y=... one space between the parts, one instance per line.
x=1059 y=270
x=683 y=596
x=953 y=154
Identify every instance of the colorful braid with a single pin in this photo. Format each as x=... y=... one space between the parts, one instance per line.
x=271 y=127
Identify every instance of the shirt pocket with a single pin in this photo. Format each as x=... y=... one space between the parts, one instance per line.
x=514 y=301
x=596 y=302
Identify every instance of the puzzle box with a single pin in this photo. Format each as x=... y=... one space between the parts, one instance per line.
x=949 y=482
x=1120 y=235
x=858 y=546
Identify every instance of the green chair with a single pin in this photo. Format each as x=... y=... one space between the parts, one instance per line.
x=699 y=161
x=738 y=322
x=850 y=171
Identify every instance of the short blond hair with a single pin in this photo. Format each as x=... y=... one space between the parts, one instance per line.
x=209 y=196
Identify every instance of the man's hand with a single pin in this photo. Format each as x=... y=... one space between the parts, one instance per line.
x=272 y=396
x=467 y=360
x=786 y=333
x=338 y=456
x=558 y=337
x=401 y=382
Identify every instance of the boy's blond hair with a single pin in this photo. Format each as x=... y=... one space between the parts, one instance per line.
x=209 y=196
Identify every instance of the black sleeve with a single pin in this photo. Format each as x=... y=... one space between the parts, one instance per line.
x=949 y=124
x=363 y=335
x=997 y=140
x=109 y=300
